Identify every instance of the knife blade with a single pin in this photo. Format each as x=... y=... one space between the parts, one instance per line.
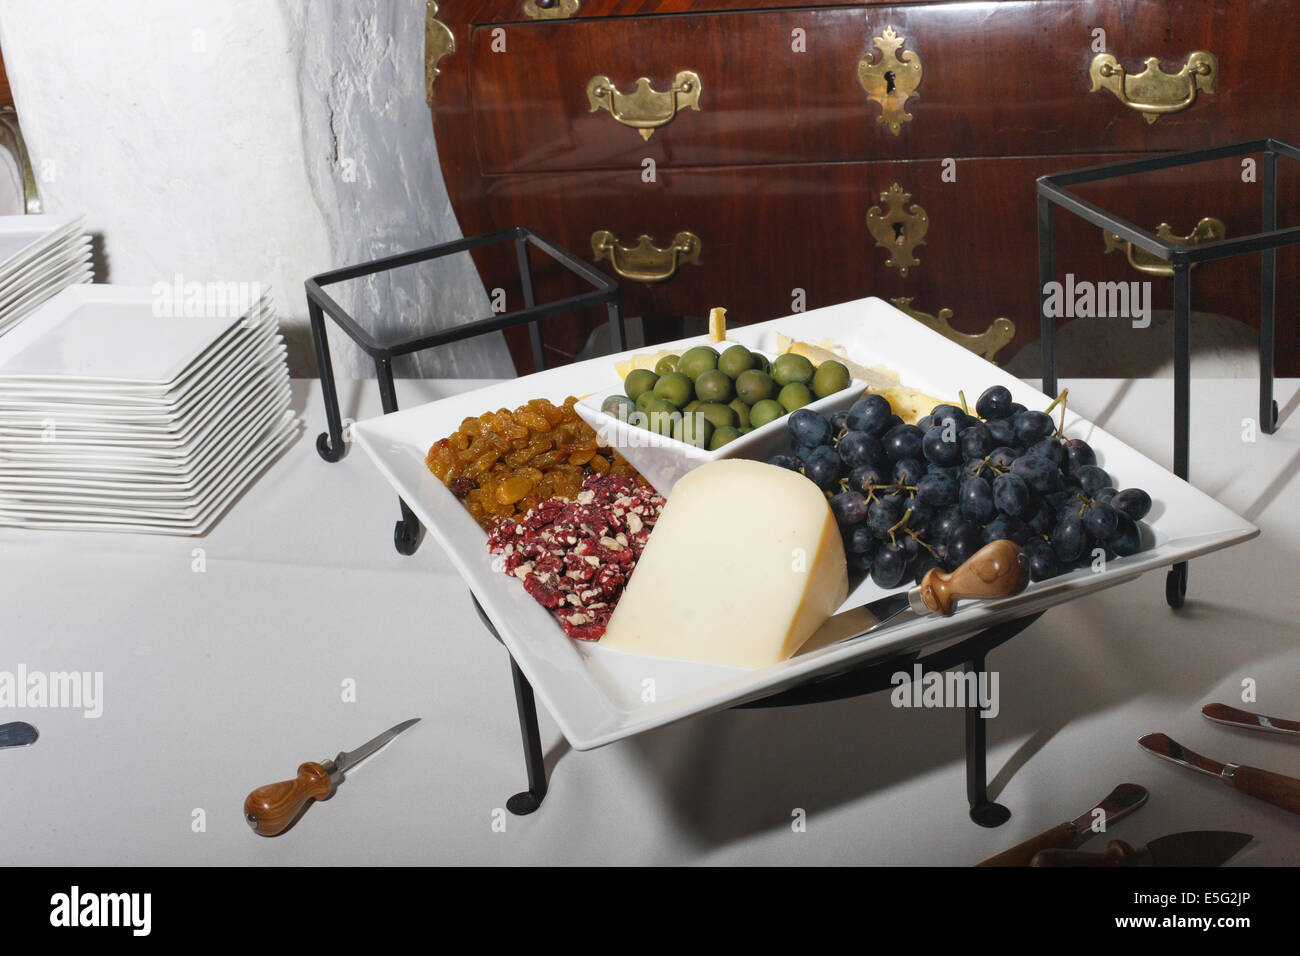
x=270 y=810
x=1235 y=717
x=17 y=734
x=1072 y=834
x=1274 y=788
x=1193 y=848
x=997 y=570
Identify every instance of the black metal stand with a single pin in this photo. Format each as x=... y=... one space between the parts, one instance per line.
x=330 y=444
x=969 y=653
x=1052 y=190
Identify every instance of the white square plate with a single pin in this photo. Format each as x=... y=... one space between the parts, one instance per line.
x=595 y=693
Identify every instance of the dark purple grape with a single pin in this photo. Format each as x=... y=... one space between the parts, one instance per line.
x=803 y=451
x=870 y=414
x=1010 y=494
x=1049 y=448
x=1092 y=479
x=1001 y=431
x=860 y=561
x=894 y=499
x=1003 y=457
x=822 y=466
x=1006 y=527
x=808 y=428
x=963 y=541
x=951 y=471
x=860 y=540
x=864 y=477
x=889 y=565
x=839 y=421
x=1042 y=560
x=936 y=490
x=1132 y=503
x=1043 y=519
x=849 y=508
x=883 y=515
x=1016 y=409
x=942 y=445
x=902 y=441
x=921 y=566
x=785 y=461
x=1069 y=540
x=994 y=403
x=908 y=471
x=944 y=520
x=921 y=513
x=1038 y=472
x=926 y=423
x=894 y=422
x=1077 y=454
x=1031 y=426
x=859 y=448
x=1100 y=520
x=976 y=498
x=976 y=442
x=1106 y=494
x=1127 y=539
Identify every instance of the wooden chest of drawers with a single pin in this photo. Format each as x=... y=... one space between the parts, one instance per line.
x=767 y=138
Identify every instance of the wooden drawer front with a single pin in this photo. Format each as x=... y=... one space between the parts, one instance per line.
x=768 y=231
x=998 y=79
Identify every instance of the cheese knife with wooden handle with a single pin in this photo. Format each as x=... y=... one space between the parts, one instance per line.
x=1072 y=834
x=1194 y=848
x=1274 y=788
x=1235 y=717
x=271 y=809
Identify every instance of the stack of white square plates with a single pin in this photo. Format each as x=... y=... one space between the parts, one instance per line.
x=114 y=417
x=39 y=257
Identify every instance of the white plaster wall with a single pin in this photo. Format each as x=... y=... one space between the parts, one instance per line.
x=208 y=138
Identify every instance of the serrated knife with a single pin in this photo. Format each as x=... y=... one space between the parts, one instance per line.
x=1072 y=834
x=1193 y=848
x=1235 y=717
x=1274 y=788
x=271 y=809
x=17 y=734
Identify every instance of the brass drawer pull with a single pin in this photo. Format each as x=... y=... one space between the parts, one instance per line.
x=1154 y=92
x=646 y=262
x=987 y=343
x=644 y=109
x=1208 y=229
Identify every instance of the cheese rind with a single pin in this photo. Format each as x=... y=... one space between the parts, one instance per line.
x=744 y=564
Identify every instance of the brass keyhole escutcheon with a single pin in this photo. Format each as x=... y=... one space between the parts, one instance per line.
x=892 y=80
x=900 y=229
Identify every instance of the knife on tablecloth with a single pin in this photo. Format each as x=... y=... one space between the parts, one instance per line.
x=1193 y=848
x=17 y=734
x=1072 y=834
x=1274 y=788
x=1235 y=717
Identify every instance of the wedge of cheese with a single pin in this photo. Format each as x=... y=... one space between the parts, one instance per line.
x=744 y=564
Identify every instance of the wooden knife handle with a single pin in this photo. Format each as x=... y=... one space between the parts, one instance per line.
x=1117 y=853
x=1274 y=788
x=269 y=810
x=1058 y=838
x=997 y=570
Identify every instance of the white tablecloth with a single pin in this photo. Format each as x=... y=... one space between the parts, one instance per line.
x=222 y=679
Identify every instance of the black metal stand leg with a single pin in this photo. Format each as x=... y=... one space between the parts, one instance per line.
x=530 y=300
x=617 y=334
x=1047 y=323
x=1176 y=583
x=1267 y=299
x=329 y=445
x=529 y=800
x=408 y=530
x=982 y=810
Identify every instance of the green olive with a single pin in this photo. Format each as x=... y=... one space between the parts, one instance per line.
x=720 y=415
x=722 y=436
x=735 y=360
x=761 y=363
x=765 y=411
x=795 y=395
x=696 y=361
x=830 y=377
x=792 y=368
x=754 y=386
x=674 y=387
x=662 y=414
x=691 y=406
x=693 y=429
x=666 y=364
x=638 y=381
x=714 y=386
x=738 y=406
x=644 y=399
x=620 y=406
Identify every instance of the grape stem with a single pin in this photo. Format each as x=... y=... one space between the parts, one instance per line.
x=1059 y=400
x=961 y=397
